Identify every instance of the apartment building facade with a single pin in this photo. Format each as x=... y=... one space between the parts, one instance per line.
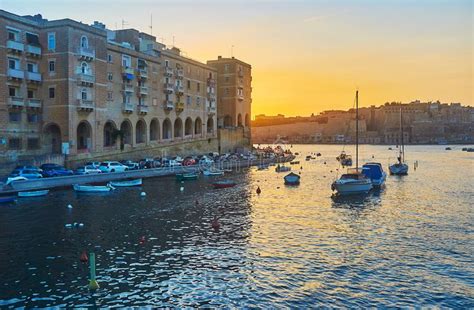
x=86 y=91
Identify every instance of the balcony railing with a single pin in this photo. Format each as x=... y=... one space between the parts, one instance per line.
x=180 y=73
x=143 y=90
x=16 y=74
x=142 y=108
x=33 y=76
x=179 y=89
x=128 y=107
x=128 y=88
x=33 y=50
x=179 y=106
x=16 y=102
x=143 y=73
x=211 y=82
x=240 y=97
x=85 y=104
x=34 y=103
x=128 y=73
x=168 y=105
x=168 y=88
x=15 y=46
x=168 y=71
x=85 y=79
x=211 y=109
x=86 y=53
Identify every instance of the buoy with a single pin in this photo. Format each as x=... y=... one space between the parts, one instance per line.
x=142 y=239
x=215 y=223
x=143 y=194
x=93 y=285
x=181 y=188
x=84 y=257
x=69 y=206
x=81 y=224
x=76 y=224
x=301 y=168
x=324 y=162
x=258 y=190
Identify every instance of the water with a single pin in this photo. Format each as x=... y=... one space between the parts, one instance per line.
x=410 y=244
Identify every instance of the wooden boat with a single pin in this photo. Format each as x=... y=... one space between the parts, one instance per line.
x=126 y=183
x=282 y=168
x=92 y=188
x=34 y=193
x=292 y=179
x=224 y=184
x=213 y=172
x=186 y=176
x=7 y=199
x=295 y=162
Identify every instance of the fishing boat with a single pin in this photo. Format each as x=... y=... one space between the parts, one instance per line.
x=308 y=157
x=34 y=193
x=318 y=154
x=7 y=199
x=292 y=179
x=354 y=181
x=282 y=168
x=400 y=168
x=186 y=176
x=213 y=172
x=375 y=173
x=126 y=183
x=344 y=159
x=224 y=184
x=92 y=188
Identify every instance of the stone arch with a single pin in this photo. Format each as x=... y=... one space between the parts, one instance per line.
x=52 y=138
x=109 y=129
x=247 y=120
x=154 y=130
x=84 y=42
x=167 y=132
x=198 y=126
x=239 y=120
x=188 y=127
x=210 y=125
x=126 y=129
x=178 y=128
x=84 y=136
x=140 y=131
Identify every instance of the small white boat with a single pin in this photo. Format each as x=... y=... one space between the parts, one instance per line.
x=34 y=193
x=126 y=183
x=400 y=168
x=351 y=183
x=92 y=188
x=213 y=172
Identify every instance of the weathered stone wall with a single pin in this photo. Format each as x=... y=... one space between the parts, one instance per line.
x=233 y=140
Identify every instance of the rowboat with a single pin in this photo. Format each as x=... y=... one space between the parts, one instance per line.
x=282 y=168
x=7 y=199
x=136 y=182
x=224 y=184
x=92 y=188
x=33 y=193
x=213 y=172
x=292 y=179
x=186 y=176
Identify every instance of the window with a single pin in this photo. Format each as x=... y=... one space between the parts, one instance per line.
x=52 y=66
x=198 y=100
x=33 y=143
x=84 y=94
x=155 y=102
x=188 y=99
x=126 y=99
x=14 y=116
x=12 y=91
x=109 y=58
x=84 y=68
x=84 y=42
x=30 y=93
x=126 y=61
x=198 y=87
x=32 y=67
x=167 y=63
x=33 y=118
x=51 y=40
x=14 y=143
x=13 y=35
x=110 y=96
x=51 y=92
x=227 y=79
x=32 y=39
x=240 y=91
x=189 y=84
x=226 y=67
x=226 y=91
x=13 y=63
x=110 y=76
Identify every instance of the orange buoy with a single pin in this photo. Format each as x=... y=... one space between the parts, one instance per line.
x=258 y=190
x=84 y=257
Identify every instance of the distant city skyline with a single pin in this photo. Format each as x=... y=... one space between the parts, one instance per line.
x=308 y=56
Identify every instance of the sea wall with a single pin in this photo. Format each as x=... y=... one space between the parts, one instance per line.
x=236 y=139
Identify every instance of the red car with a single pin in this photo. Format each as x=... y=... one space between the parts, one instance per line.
x=189 y=161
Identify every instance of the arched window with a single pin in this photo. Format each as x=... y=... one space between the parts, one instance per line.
x=84 y=94
x=84 y=42
x=84 y=68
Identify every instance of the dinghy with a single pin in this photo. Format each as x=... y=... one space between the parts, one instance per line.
x=126 y=183
x=92 y=188
x=224 y=184
x=282 y=168
x=292 y=179
x=33 y=193
x=186 y=176
x=7 y=199
x=213 y=172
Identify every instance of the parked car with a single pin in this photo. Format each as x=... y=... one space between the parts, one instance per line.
x=55 y=170
x=29 y=168
x=166 y=162
x=112 y=166
x=95 y=164
x=88 y=169
x=130 y=164
x=26 y=173
x=189 y=161
x=206 y=161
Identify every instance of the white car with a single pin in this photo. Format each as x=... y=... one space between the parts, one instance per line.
x=206 y=161
x=170 y=163
x=89 y=169
x=112 y=166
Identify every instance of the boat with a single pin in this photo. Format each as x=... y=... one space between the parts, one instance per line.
x=448 y=149
x=318 y=154
x=400 y=168
x=7 y=199
x=344 y=159
x=92 y=188
x=262 y=167
x=224 y=184
x=470 y=150
x=292 y=179
x=295 y=162
x=464 y=149
x=282 y=168
x=213 y=172
x=126 y=183
x=375 y=173
x=186 y=176
x=354 y=181
x=34 y=193
x=308 y=157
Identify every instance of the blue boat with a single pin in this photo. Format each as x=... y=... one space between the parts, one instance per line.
x=7 y=199
x=375 y=173
x=292 y=179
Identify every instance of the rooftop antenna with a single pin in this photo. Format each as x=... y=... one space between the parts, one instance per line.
x=232 y=51
x=151 y=24
x=124 y=23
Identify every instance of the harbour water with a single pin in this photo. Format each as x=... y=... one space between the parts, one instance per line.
x=410 y=244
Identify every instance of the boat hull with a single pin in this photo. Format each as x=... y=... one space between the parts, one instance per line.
x=212 y=173
x=224 y=184
x=352 y=188
x=137 y=182
x=91 y=188
x=7 y=199
x=398 y=169
x=186 y=177
x=33 y=193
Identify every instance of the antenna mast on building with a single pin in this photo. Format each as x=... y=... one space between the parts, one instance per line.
x=124 y=23
x=151 y=24
x=232 y=51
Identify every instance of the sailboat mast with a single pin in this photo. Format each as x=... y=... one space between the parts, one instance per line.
x=357 y=130
x=401 y=131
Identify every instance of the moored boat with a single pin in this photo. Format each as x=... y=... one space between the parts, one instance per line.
x=400 y=168
x=295 y=162
x=34 y=193
x=213 y=172
x=282 y=168
x=224 y=184
x=126 y=183
x=375 y=173
x=92 y=188
x=186 y=176
x=292 y=179
x=7 y=199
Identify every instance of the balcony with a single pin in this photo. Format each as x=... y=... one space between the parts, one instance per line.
x=143 y=90
x=240 y=97
x=85 y=105
x=14 y=46
x=85 y=79
x=128 y=88
x=168 y=71
x=211 y=82
x=15 y=74
x=142 y=73
x=211 y=109
x=179 y=107
x=142 y=109
x=16 y=102
x=86 y=53
x=127 y=107
x=168 y=88
x=128 y=73
x=34 y=77
x=34 y=103
x=168 y=105
x=33 y=50
x=180 y=73
x=179 y=89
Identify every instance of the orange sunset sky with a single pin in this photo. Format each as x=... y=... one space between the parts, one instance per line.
x=308 y=56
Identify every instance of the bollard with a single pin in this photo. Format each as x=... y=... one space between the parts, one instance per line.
x=93 y=285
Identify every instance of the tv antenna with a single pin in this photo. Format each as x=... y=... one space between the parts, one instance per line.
x=232 y=51
x=124 y=23
x=151 y=24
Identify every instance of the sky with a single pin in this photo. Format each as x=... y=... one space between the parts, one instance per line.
x=307 y=56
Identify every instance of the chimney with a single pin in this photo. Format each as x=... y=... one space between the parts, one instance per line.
x=219 y=57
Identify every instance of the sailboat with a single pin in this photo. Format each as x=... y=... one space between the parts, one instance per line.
x=400 y=168
x=354 y=181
